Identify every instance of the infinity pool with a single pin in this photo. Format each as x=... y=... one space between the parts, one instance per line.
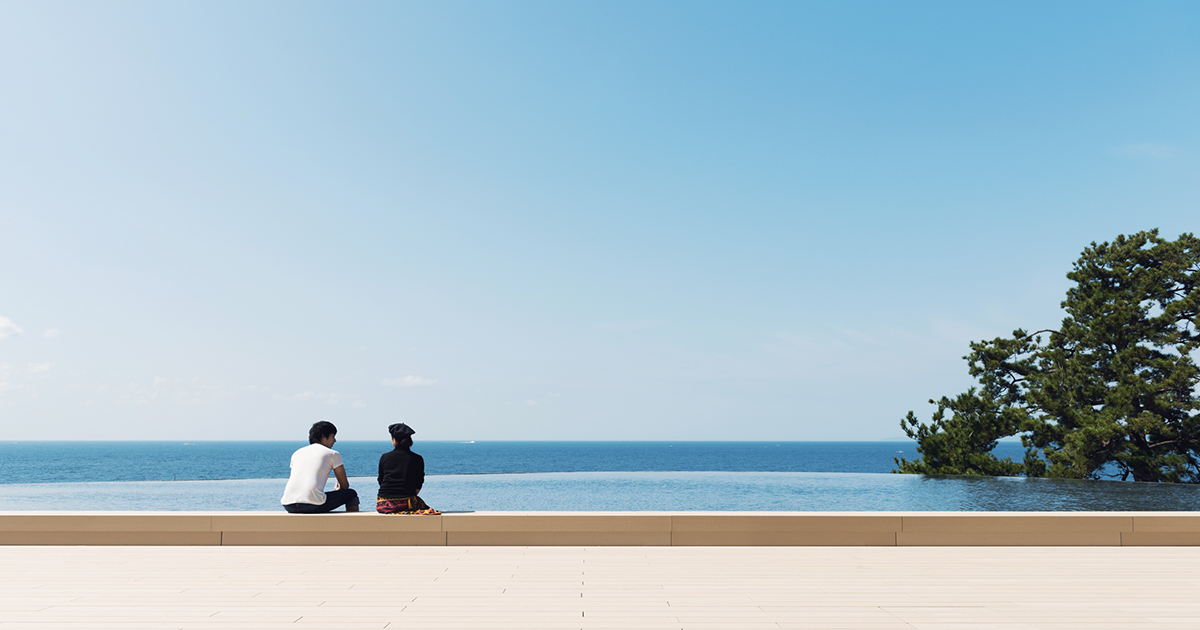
x=644 y=491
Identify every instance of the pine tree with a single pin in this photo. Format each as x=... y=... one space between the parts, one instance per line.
x=1115 y=386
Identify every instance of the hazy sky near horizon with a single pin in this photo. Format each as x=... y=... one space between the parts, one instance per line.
x=559 y=220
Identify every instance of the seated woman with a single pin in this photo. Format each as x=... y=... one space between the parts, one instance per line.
x=401 y=475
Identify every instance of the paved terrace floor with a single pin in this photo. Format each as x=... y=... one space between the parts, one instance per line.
x=934 y=588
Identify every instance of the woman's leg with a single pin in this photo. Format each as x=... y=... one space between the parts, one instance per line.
x=403 y=505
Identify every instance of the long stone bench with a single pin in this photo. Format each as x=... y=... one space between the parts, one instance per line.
x=604 y=528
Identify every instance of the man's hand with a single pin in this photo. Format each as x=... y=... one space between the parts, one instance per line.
x=342 y=481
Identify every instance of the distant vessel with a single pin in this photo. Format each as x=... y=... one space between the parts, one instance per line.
x=471 y=442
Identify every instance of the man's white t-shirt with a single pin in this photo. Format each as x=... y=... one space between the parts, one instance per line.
x=310 y=470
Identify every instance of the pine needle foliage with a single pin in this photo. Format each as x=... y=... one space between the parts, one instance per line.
x=1113 y=391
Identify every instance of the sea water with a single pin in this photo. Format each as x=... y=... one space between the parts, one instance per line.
x=49 y=462
x=606 y=476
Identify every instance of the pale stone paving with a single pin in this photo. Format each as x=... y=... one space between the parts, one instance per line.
x=926 y=588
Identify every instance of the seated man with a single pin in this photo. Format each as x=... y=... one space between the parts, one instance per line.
x=305 y=491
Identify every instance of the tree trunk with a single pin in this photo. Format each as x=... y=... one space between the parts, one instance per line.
x=1143 y=474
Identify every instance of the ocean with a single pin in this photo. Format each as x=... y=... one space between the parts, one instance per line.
x=58 y=462
x=622 y=476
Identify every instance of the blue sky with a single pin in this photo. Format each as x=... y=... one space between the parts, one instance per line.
x=587 y=220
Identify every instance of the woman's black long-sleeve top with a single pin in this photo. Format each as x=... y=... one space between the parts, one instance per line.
x=401 y=473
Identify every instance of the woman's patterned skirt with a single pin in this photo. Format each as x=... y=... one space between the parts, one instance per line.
x=405 y=505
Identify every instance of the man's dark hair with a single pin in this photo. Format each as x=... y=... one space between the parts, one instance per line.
x=320 y=430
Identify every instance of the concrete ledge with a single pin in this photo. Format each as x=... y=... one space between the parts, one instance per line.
x=558 y=529
x=782 y=528
x=334 y=538
x=606 y=528
x=62 y=537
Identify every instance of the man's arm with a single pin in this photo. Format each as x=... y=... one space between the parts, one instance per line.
x=342 y=481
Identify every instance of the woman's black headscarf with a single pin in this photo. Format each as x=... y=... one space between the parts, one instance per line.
x=401 y=432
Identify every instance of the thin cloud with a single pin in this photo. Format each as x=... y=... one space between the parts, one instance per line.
x=627 y=326
x=5 y=384
x=52 y=333
x=329 y=398
x=358 y=404
x=35 y=368
x=408 y=381
x=9 y=328
x=1149 y=151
